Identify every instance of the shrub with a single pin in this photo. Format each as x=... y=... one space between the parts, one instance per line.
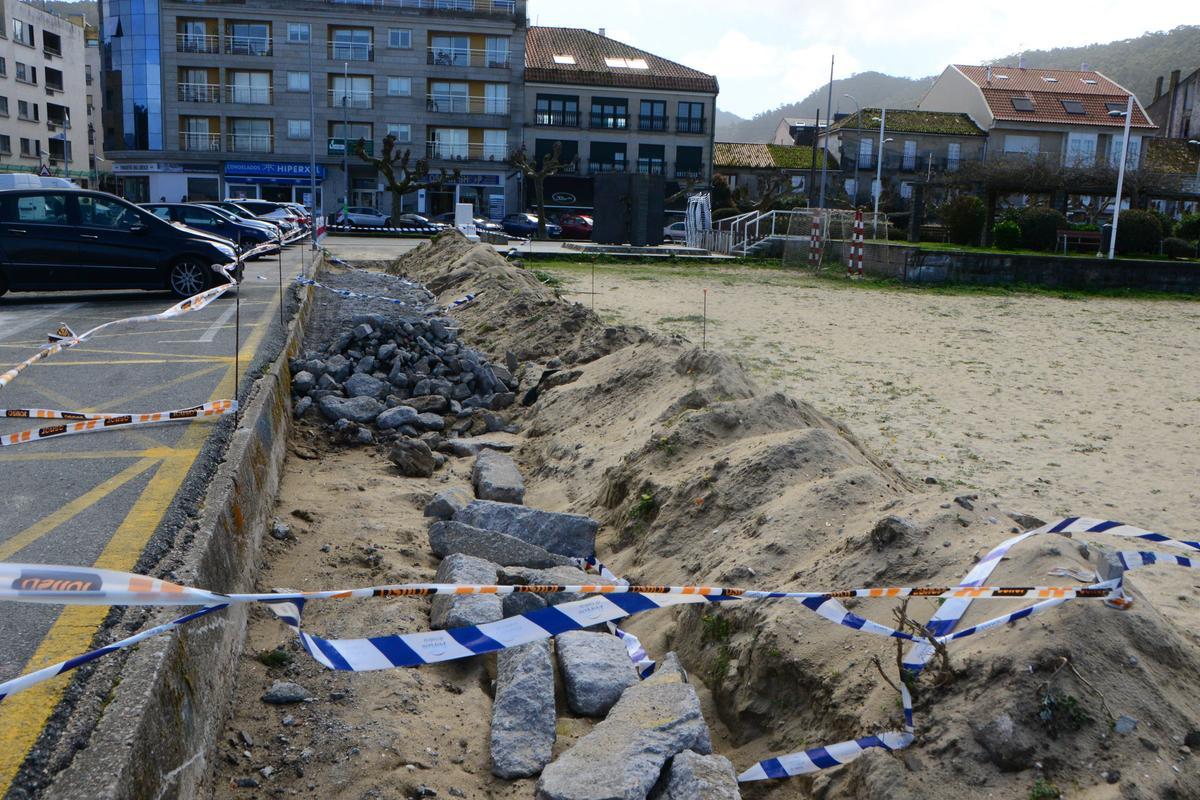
x=722 y=196
x=1006 y=235
x=1164 y=220
x=964 y=217
x=1188 y=227
x=1040 y=227
x=1138 y=232
x=1178 y=248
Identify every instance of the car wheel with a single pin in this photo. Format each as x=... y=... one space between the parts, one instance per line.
x=189 y=277
x=387 y=223
x=3 y=286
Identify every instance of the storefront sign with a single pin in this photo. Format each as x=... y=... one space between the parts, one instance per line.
x=270 y=169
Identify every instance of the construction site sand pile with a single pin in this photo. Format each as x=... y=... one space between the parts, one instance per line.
x=702 y=477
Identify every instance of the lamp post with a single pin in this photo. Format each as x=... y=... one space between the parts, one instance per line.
x=878 y=187
x=858 y=142
x=346 y=131
x=1128 y=114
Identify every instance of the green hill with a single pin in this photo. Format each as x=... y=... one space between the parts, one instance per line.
x=89 y=8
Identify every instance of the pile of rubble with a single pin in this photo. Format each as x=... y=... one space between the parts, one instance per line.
x=652 y=737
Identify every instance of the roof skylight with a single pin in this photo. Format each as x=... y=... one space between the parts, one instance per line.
x=564 y=59
x=626 y=63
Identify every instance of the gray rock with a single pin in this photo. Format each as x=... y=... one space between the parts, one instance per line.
x=596 y=669
x=387 y=351
x=1125 y=724
x=523 y=714
x=363 y=410
x=395 y=417
x=362 y=385
x=362 y=331
x=284 y=693
x=502 y=400
x=431 y=422
x=623 y=756
x=496 y=477
x=447 y=502
x=965 y=501
x=511 y=362
x=398 y=377
x=455 y=611
x=1008 y=746
x=429 y=403
x=551 y=576
x=566 y=534
x=1027 y=522
x=465 y=448
x=338 y=367
x=447 y=537
x=304 y=382
x=501 y=374
x=696 y=777
x=890 y=530
x=366 y=366
x=668 y=670
x=280 y=530
x=316 y=366
x=328 y=383
x=413 y=458
x=364 y=436
x=302 y=406
x=522 y=603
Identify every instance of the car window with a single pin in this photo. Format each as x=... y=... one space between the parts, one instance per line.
x=49 y=209
x=104 y=212
x=197 y=216
x=161 y=212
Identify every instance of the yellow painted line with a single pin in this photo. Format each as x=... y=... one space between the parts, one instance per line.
x=124 y=401
x=53 y=363
x=159 y=453
x=23 y=715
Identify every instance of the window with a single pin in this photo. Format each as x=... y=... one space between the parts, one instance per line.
x=449 y=98
x=26 y=73
x=250 y=135
x=5 y=144
x=1089 y=81
x=3 y=106
x=351 y=44
x=22 y=32
x=399 y=87
x=27 y=111
x=249 y=87
x=1081 y=149
x=607 y=157
x=352 y=92
x=651 y=159
x=1049 y=79
x=3 y=66
x=495 y=145
x=564 y=60
x=496 y=51
x=652 y=115
x=610 y=113
x=559 y=111
x=691 y=118
x=626 y=63
x=46 y=208
x=1072 y=106
x=248 y=38
x=297 y=82
x=1115 y=107
x=191 y=215
x=162 y=212
x=953 y=156
x=1022 y=104
x=104 y=212
x=449 y=143
x=568 y=153
x=31 y=147
x=450 y=51
x=299 y=32
x=401 y=130
x=909 y=159
x=1025 y=145
x=1132 y=157
x=400 y=38
x=299 y=129
x=864 y=152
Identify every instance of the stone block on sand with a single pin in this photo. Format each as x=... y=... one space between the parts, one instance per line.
x=496 y=477
x=456 y=611
x=566 y=534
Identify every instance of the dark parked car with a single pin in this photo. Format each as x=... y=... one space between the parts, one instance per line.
x=576 y=226
x=527 y=225
x=239 y=208
x=245 y=233
x=481 y=223
x=72 y=239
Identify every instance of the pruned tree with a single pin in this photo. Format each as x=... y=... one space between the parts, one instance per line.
x=536 y=172
x=402 y=175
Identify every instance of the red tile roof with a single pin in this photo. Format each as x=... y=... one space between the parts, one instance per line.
x=1047 y=88
x=590 y=50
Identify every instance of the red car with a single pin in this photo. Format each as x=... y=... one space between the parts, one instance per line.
x=576 y=226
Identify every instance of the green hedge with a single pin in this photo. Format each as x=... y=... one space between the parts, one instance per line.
x=1040 y=227
x=1139 y=233
x=964 y=216
x=1006 y=235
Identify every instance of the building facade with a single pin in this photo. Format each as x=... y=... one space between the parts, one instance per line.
x=211 y=99
x=43 y=107
x=1175 y=109
x=613 y=108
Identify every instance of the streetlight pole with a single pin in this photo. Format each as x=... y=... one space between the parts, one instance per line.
x=878 y=187
x=346 y=131
x=312 y=139
x=1128 y=114
x=858 y=143
x=828 y=125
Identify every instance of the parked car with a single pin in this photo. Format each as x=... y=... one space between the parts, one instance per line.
x=302 y=214
x=75 y=239
x=362 y=217
x=230 y=207
x=247 y=234
x=481 y=223
x=527 y=225
x=576 y=226
x=675 y=232
x=275 y=212
x=421 y=223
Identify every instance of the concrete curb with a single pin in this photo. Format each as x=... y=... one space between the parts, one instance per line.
x=156 y=735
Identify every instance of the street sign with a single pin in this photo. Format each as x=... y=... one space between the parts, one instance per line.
x=44 y=171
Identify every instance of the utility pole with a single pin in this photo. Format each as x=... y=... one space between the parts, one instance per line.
x=1128 y=114
x=878 y=187
x=312 y=138
x=828 y=123
x=346 y=130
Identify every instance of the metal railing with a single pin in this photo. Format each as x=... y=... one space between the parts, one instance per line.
x=248 y=45
x=556 y=119
x=465 y=57
x=199 y=93
x=254 y=95
x=614 y=122
x=340 y=98
x=461 y=104
x=649 y=166
x=197 y=43
x=466 y=152
x=653 y=122
x=690 y=125
x=54 y=124
x=351 y=51
x=490 y=7
x=595 y=167
x=688 y=172
x=250 y=142
x=200 y=142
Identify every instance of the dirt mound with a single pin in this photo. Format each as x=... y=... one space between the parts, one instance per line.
x=513 y=311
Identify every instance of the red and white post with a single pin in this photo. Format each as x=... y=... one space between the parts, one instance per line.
x=815 y=243
x=855 y=261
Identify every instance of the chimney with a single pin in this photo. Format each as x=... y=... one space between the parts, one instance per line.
x=604 y=32
x=1021 y=62
x=1158 y=88
x=989 y=75
x=1085 y=67
x=1174 y=80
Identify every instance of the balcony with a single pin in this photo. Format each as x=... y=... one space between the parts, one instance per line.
x=654 y=123
x=200 y=142
x=462 y=104
x=597 y=167
x=250 y=142
x=248 y=45
x=649 y=166
x=611 y=122
x=556 y=119
x=199 y=93
x=690 y=125
x=252 y=95
x=351 y=51
x=57 y=123
x=447 y=151
x=462 y=57
x=689 y=172
x=197 y=43
x=340 y=98
x=506 y=8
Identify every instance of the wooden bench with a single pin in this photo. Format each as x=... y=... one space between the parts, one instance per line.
x=934 y=233
x=1087 y=241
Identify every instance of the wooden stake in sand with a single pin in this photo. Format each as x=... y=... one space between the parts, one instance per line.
x=704 y=330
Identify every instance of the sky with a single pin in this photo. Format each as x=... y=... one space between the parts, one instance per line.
x=769 y=52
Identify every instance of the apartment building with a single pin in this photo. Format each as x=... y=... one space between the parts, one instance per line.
x=613 y=108
x=218 y=99
x=43 y=108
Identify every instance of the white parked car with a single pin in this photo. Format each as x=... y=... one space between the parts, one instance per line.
x=675 y=232
x=363 y=217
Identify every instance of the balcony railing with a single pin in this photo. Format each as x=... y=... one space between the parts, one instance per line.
x=461 y=104
x=54 y=124
x=648 y=166
x=689 y=125
x=51 y=52
x=250 y=142
x=595 y=167
x=463 y=57
x=648 y=122
x=200 y=142
x=688 y=172
x=466 y=152
x=351 y=51
x=556 y=119
x=199 y=93
x=255 y=95
x=248 y=45
x=618 y=122
x=197 y=43
x=53 y=88
x=340 y=98
x=490 y=7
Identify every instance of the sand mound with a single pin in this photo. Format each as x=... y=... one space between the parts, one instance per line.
x=700 y=476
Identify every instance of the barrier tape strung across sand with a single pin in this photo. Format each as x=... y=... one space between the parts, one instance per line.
x=346 y=293
x=82 y=586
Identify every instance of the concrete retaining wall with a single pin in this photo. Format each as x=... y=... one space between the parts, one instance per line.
x=157 y=733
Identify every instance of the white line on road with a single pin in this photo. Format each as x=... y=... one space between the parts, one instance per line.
x=13 y=322
x=210 y=334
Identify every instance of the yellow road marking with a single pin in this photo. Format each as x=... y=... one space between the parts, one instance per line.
x=52 y=363
x=23 y=715
x=100 y=455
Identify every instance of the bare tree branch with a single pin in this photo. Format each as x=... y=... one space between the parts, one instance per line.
x=536 y=173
